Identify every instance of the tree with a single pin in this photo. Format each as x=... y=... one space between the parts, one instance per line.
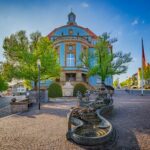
x=134 y=80
x=3 y=84
x=22 y=55
x=146 y=74
x=86 y=57
x=116 y=83
x=124 y=84
x=107 y=63
x=27 y=84
x=127 y=83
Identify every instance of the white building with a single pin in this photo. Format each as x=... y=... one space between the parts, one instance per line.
x=17 y=87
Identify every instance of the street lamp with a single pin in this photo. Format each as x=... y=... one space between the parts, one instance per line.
x=39 y=66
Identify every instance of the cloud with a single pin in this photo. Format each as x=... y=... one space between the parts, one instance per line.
x=135 y=22
x=85 y=5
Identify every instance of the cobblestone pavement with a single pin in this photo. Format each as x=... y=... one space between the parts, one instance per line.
x=46 y=129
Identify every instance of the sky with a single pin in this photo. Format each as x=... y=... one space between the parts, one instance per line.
x=126 y=20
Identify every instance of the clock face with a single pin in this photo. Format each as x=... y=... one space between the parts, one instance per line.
x=70 y=31
x=70 y=47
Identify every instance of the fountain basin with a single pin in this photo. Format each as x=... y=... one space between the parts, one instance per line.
x=90 y=128
x=90 y=135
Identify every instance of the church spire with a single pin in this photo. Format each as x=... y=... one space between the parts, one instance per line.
x=71 y=18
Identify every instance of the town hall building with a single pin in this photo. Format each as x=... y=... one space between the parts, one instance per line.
x=69 y=41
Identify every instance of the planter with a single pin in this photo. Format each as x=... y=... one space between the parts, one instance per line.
x=19 y=106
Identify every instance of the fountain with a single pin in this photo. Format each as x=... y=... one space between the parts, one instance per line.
x=86 y=125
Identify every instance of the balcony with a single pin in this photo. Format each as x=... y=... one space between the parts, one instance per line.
x=84 y=39
x=75 y=68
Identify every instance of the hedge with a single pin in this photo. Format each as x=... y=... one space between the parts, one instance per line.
x=55 y=90
x=79 y=87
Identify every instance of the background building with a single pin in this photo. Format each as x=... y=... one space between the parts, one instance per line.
x=16 y=87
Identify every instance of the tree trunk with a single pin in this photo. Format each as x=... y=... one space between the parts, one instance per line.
x=36 y=90
x=35 y=86
x=102 y=84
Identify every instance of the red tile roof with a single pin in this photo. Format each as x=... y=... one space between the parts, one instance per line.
x=92 y=34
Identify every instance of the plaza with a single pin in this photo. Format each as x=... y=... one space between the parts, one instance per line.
x=45 y=129
x=74 y=75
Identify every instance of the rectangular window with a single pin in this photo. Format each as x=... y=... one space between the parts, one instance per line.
x=70 y=60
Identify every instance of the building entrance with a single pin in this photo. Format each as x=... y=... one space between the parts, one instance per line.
x=70 y=77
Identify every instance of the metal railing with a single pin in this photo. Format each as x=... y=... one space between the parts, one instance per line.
x=58 y=39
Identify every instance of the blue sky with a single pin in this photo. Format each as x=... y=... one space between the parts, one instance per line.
x=127 y=20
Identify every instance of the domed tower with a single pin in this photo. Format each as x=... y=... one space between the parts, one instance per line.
x=71 y=19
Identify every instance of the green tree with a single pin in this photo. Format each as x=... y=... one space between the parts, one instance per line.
x=134 y=80
x=127 y=83
x=22 y=54
x=123 y=84
x=86 y=57
x=107 y=63
x=147 y=72
x=3 y=84
x=27 y=84
x=115 y=83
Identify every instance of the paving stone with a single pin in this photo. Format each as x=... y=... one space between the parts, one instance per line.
x=46 y=129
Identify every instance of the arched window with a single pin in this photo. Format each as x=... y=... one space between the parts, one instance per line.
x=70 y=60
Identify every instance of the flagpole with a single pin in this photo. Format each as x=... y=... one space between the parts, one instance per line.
x=142 y=69
x=142 y=81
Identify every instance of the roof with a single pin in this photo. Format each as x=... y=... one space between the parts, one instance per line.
x=134 y=74
x=92 y=34
x=71 y=13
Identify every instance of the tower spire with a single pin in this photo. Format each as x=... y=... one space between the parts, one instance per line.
x=71 y=18
x=144 y=64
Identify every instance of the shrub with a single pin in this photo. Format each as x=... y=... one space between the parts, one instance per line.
x=79 y=87
x=55 y=90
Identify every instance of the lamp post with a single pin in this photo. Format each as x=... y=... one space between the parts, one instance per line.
x=39 y=66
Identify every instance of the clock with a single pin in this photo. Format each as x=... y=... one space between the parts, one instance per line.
x=70 y=31
x=70 y=47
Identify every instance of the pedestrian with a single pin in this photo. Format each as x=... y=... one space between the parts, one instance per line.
x=27 y=93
